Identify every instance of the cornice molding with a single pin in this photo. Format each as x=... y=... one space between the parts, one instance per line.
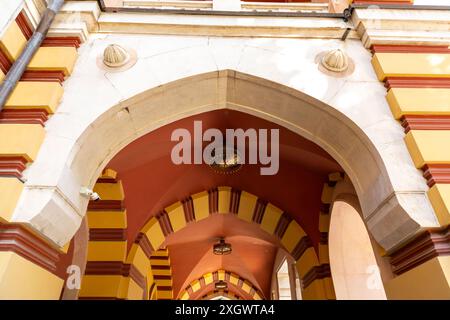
x=426 y=246
x=12 y=166
x=24 y=116
x=316 y=273
x=402 y=26
x=437 y=173
x=116 y=268
x=425 y=122
x=16 y=238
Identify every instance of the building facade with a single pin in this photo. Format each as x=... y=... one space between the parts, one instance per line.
x=93 y=205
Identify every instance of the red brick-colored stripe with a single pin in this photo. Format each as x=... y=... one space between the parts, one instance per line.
x=24 y=116
x=12 y=166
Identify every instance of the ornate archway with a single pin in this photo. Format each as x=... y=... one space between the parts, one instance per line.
x=389 y=211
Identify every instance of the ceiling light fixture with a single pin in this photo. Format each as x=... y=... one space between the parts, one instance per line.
x=221 y=285
x=222 y=248
x=226 y=161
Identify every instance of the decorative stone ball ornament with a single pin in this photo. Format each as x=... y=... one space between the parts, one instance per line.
x=335 y=60
x=335 y=63
x=116 y=58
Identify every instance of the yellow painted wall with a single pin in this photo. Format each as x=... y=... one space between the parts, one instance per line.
x=247 y=205
x=201 y=205
x=411 y=65
x=54 y=58
x=153 y=231
x=208 y=278
x=23 y=140
x=11 y=188
x=13 y=41
x=107 y=219
x=176 y=216
x=418 y=101
x=315 y=291
x=439 y=196
x=292 y=236
x=32 y=95
x=101 y=286
x=131 y=289
x=428 y=146
x=107 y=250
x=306 y=262
x=22 y=279
x=139 y=259
x=110 y=191
x=271 y=217
x=427 y=281
x=327 y=193
x=224 y=199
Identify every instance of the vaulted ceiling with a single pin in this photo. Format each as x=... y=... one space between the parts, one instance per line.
x=152 y=182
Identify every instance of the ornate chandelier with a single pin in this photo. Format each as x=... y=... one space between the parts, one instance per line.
x=226 y=161
x=222 y=248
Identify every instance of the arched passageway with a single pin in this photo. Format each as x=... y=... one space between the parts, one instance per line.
x=315 y=141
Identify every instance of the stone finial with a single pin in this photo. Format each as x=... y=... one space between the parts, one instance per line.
x=115 y=56
x=335 y=60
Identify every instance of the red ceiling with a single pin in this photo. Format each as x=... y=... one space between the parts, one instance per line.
x=152 y=182
x=191 y=251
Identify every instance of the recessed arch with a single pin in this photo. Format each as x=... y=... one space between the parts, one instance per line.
x=197 y=287
x=235 y=203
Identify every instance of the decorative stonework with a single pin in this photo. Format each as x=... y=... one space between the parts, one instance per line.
x=335 y=60
x=117 y=58
x=316 y=273
x=115 y=268
x=12 y=166
x=436 y=173
x=16 y=238
x=197 y=286
x=335 y=63
x=428 y=245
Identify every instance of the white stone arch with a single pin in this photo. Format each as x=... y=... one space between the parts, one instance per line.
x=369 y=148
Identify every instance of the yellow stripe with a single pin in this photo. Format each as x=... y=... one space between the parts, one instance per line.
x=107 y=219
x=22 y=140
x=428 y=146
x=22 y=279
x=176 y=216
x=292 y=236
x=13 y=41
x=110 y=191
x=35 y=95
x=411 y=65
x=417 y=101
x=247 y=205
x=107 y=250
x=224 y=199
x=201 y=205
x=439 y=196
x=10 y=190
x=306 y=262
x=271 y=217
x=54 y=58
x=154 y=233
